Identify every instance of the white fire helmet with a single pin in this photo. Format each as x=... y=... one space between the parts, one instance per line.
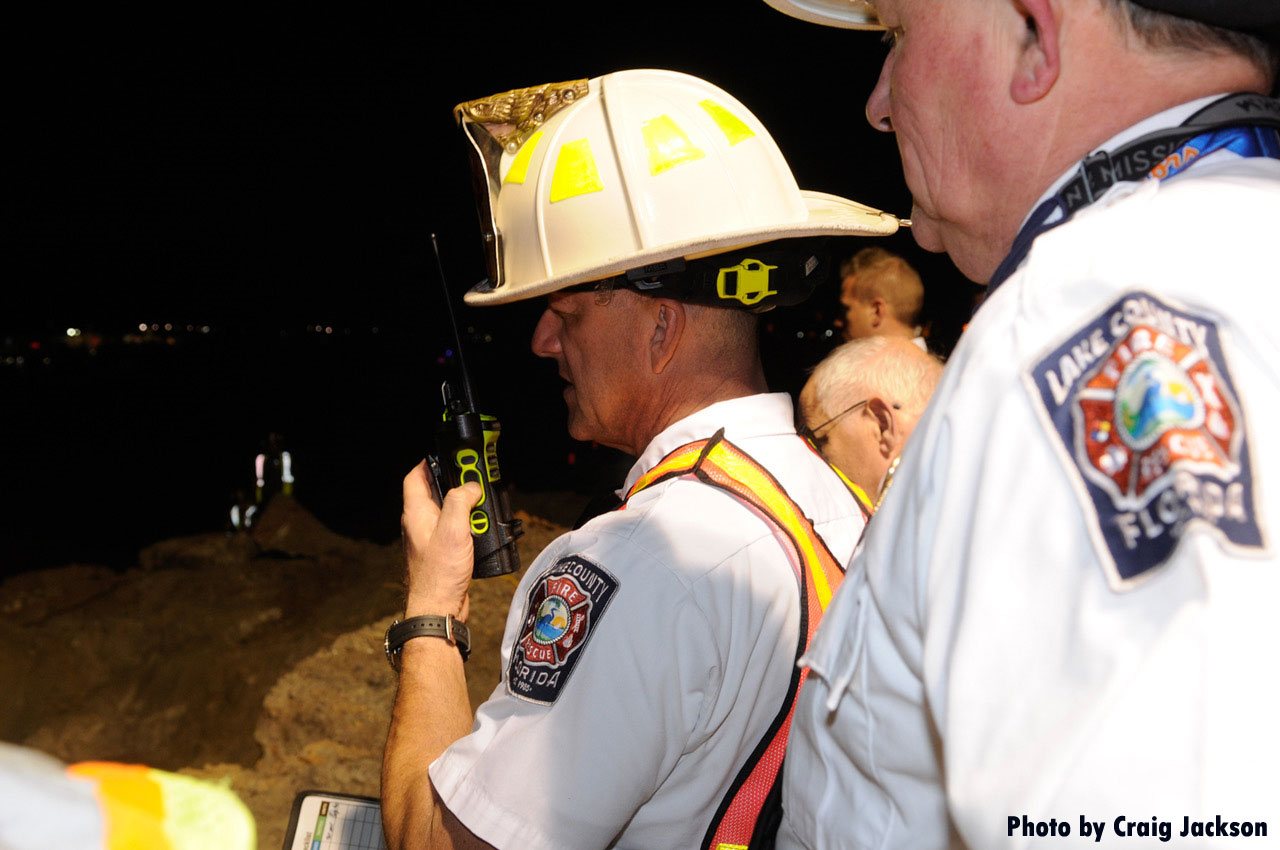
x=849 y=14
x=585 y=180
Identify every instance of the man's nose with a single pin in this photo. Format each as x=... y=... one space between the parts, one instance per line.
x=878 y=102
x=546 y=338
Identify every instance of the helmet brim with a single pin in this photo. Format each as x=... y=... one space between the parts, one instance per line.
x=829 y=215
x=847 y=14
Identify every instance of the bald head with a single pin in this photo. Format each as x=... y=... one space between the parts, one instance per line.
x=863 y=401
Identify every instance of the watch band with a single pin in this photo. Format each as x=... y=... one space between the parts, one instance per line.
x=448 y=627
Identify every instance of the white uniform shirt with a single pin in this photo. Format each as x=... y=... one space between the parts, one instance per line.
x=680 y=673
x=1012 y=639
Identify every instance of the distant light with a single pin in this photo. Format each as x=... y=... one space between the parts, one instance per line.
x=46 y=361
x=20 y=360
x=448 y=352
x=829 y=333
x=488 y=338
x=154 y=326
x=375 y=330
x=73 y=332
x=168 y=326
x=190 y=328
x=328 y=329
x=799 y=334
x=204 y=329
x=142 y=326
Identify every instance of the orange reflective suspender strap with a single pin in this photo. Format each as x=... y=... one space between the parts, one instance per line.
x=721 y=464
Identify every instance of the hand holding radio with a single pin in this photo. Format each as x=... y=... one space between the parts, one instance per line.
x=467 y=443
x=438 y=548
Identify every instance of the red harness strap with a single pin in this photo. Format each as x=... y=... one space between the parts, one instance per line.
x=721 y=464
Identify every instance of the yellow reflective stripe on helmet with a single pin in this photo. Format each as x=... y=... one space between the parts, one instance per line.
x=520 y=165
x=156 y=810
x=733 y=127
x=668 y=145
x=576 y=172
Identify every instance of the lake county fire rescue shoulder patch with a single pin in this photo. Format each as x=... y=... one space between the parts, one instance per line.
x=563 y=607
x=1148 y=415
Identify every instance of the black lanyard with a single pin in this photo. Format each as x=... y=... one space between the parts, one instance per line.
x=1230 y=122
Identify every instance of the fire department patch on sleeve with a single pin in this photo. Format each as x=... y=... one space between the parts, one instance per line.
x=563 y=607
x=1146 y=410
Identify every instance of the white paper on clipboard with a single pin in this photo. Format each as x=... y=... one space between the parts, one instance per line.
x=328 y=820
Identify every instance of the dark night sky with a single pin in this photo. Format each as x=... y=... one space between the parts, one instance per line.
x=290 y=167
x=264 y=171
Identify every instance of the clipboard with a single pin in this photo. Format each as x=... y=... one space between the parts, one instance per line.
x=331 y=820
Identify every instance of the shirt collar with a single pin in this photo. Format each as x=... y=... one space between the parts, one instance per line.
x=1168 y=118
x=742 y=418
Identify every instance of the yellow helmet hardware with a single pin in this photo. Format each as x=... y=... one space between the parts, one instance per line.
x=587 y=179
x=747 y=282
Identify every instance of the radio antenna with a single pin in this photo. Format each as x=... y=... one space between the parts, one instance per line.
x=453 y=323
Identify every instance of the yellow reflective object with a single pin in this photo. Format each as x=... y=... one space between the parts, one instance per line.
x=131 y=804
x=668 y=145
x=733 y=127
x=576 y=172
x=520 y=165
x=148 y=809
x=747 y=282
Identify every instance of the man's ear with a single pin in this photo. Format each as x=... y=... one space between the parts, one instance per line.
x=887 y=427
x=879 y=310
x=669 y=321
x=1038 y=63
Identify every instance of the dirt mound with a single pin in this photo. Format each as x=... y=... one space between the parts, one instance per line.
x=255 y=657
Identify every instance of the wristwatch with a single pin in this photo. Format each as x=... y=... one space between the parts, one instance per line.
x=448 y=627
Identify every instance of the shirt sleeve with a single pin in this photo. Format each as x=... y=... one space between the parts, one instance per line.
x=567 y=764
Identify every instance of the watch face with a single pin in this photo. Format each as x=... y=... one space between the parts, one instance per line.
x=393 y=656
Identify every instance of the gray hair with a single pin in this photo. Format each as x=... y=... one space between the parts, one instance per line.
x=893 y=368
x=1163 y=31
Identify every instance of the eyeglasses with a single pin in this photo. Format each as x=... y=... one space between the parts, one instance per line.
x=811 y=434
